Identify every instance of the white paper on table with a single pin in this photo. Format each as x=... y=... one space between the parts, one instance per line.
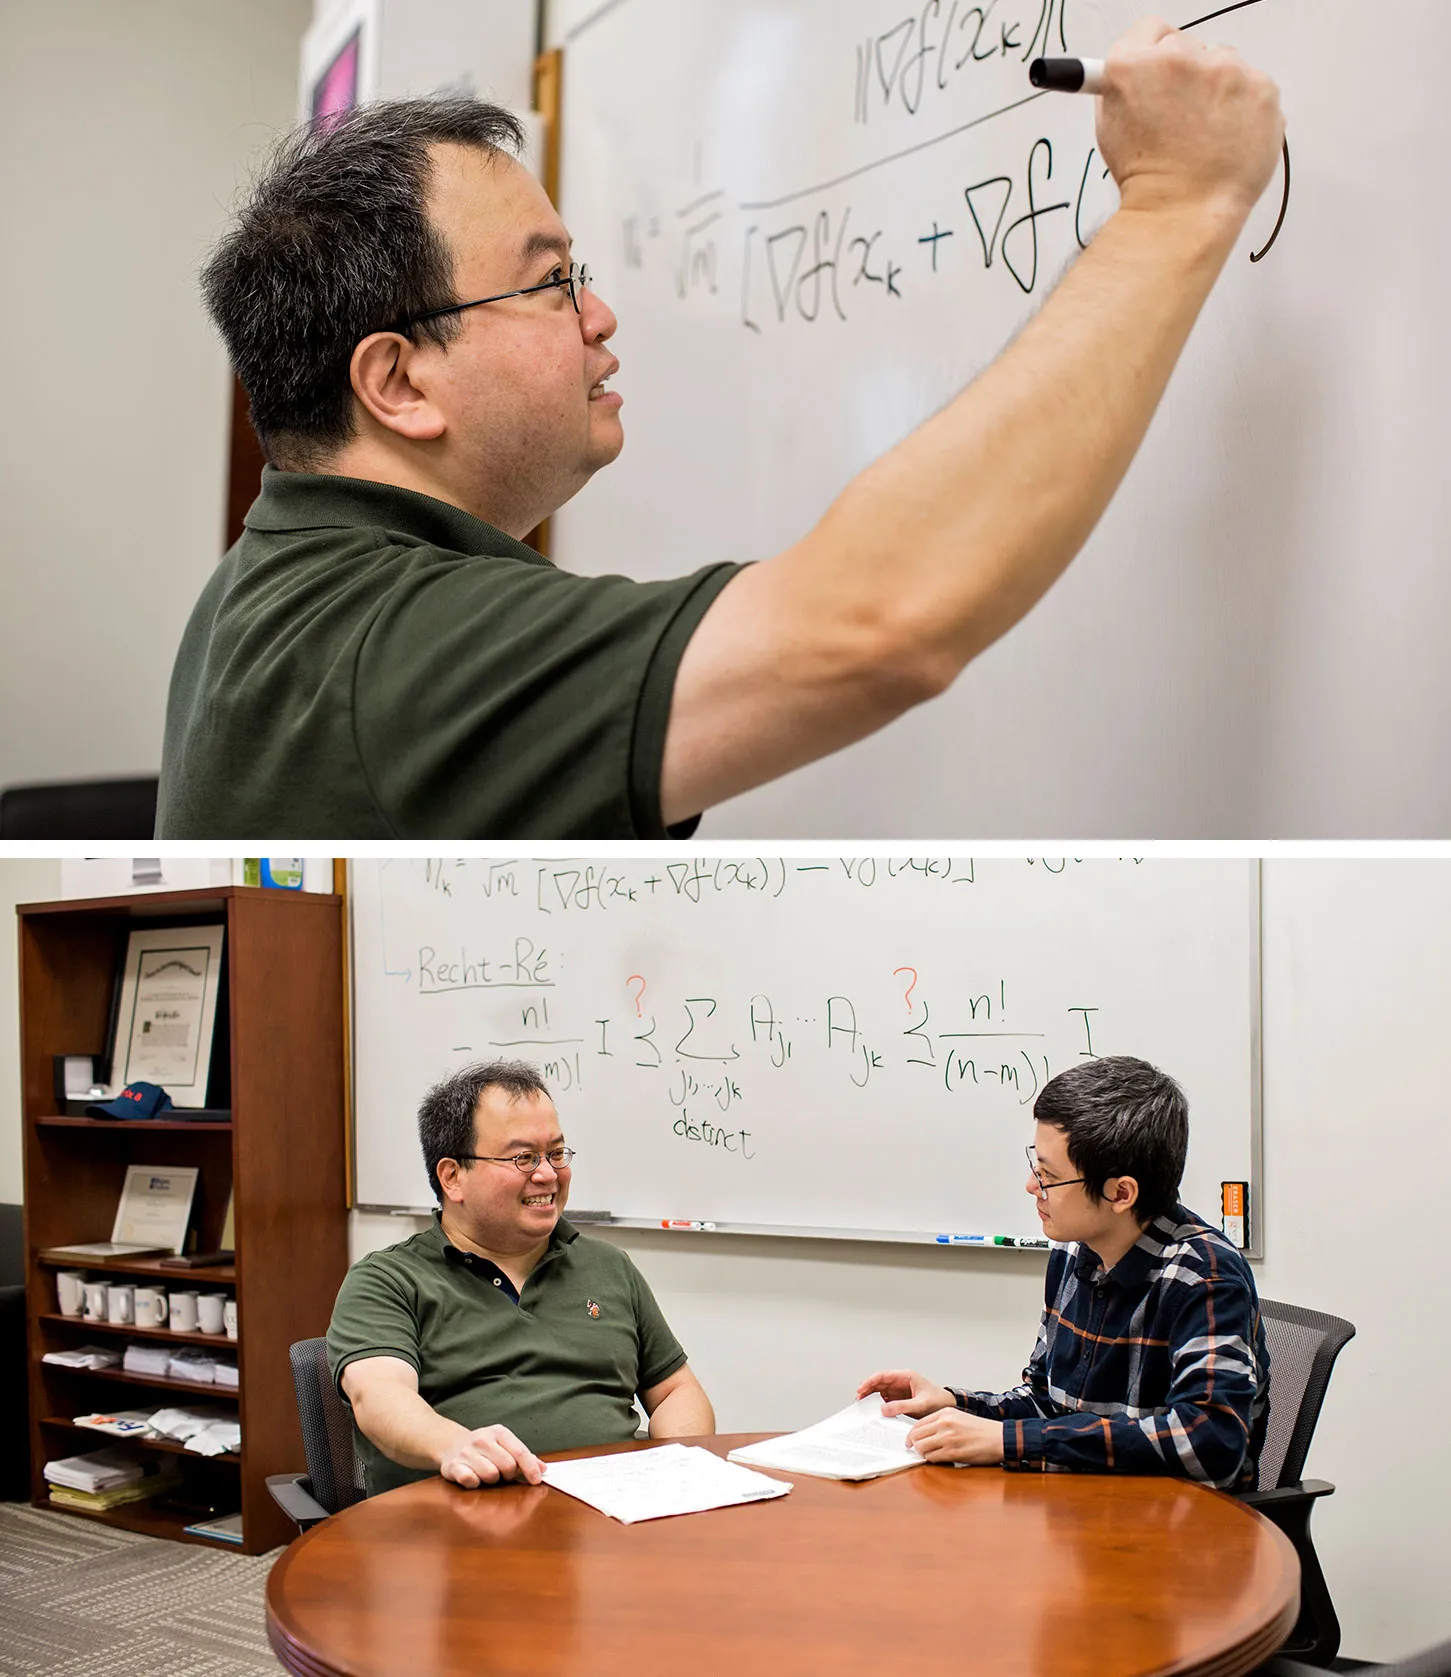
x=858 y=1442
x=651 y=1484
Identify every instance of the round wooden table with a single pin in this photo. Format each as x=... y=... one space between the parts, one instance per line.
x=933 y=1571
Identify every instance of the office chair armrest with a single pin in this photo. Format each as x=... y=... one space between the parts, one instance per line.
x=1286 y=1497
x=292 y=1494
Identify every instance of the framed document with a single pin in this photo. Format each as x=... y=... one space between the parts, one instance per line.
x=167 y=1011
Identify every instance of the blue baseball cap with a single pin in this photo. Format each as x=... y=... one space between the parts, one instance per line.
x=136 y=1100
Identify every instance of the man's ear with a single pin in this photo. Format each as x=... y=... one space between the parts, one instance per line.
x=382 y=372
x=1121 y=1193
x=449 y=1171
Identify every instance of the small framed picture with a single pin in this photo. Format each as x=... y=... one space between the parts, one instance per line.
x=166 y=1010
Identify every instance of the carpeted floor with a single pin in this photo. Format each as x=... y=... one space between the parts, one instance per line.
x=79 y=1599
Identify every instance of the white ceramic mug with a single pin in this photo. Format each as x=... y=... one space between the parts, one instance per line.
x=70 y=1286
x=229 y=1318
x=121 y=1302
x=96 y=1300
x=183 y=1312
x=152 y=1310
x=209 y=1312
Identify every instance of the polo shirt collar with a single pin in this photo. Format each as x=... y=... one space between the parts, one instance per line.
x=321 y=501
x=562 y=1234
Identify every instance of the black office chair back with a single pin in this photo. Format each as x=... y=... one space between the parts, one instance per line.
x=80 y=809
x=1303 y=1346
x=336 y=1478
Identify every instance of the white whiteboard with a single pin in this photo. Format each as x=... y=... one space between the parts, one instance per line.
x=1253 y=640
x=845 y=1046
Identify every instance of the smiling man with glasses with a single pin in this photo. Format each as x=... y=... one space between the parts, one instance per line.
x=501 y=1332
x=1151 y=1356
x=382 y=656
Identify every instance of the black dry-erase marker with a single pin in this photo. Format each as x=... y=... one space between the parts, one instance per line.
x=1067 y=75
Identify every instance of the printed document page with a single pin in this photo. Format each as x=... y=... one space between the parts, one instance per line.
x=650 y=1484
x=858 y=1442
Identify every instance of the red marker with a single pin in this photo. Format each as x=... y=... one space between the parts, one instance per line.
x=683 y=1223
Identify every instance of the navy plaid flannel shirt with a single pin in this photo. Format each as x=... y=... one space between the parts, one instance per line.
x=1158 y=1365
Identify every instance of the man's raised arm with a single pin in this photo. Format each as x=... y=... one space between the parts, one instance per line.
x=952 y=536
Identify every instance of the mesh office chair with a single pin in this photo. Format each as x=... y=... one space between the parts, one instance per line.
x=333 y=1480
x=80 y=809
x=1303 y=1346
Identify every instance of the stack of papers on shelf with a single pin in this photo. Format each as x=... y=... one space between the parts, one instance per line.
x=98 y=1471
x=125 y=1423
x=205 y=1428
x=227 y=1374
x=147 y=1359
x=97 y=1502
x=193 y=1365
x=858 y=1442
x=106 y=1479
x=228 y=1527
x=84 y=1356
x=650 y=1484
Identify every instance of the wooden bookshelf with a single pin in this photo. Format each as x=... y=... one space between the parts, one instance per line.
x=278 y=1064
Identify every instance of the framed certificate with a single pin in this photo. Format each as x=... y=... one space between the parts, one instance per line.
x=167 y=1010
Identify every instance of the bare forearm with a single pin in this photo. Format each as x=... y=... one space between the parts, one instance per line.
x=405 y=1428
x=683 y=1414
x=984 y=506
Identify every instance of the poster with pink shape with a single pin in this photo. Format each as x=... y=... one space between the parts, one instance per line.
x=336 y=89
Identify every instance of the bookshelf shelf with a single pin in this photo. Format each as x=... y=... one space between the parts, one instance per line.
x=198 y=1278
x=167 y=1336
x=137 y=1516
x=167 y=1446
x=278 y=1066
x=99 y=1126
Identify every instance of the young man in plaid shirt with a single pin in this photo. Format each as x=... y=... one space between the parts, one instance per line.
x=1151 y=1355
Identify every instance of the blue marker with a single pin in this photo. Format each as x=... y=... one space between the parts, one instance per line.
x=964 y=1240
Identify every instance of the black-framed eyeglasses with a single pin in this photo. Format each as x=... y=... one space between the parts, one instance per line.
x=573 y=280
x=559 y=1158
x=1045 y=1187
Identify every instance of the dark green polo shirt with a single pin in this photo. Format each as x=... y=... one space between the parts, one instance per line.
x=369 y=663
x=559 y=1364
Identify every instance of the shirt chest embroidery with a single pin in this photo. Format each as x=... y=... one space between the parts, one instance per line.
x=592 y=1307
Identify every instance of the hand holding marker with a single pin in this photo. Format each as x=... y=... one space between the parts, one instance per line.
x=1086 y=75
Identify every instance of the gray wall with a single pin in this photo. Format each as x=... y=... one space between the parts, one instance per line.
x=126 y=130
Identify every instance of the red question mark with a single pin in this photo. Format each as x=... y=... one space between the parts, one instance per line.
x=635 y=978
x=907 y=993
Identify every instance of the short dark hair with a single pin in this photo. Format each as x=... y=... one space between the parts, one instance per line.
x=1122 y=1117
x=334 y=243
x=446 y=1115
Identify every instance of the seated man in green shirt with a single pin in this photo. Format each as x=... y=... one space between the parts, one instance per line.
x=382 y=656
x=501 y=1332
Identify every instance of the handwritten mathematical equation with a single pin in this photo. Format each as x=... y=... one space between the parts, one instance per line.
x=710 y=1056
x=568 y=889
x=922 y=54
x=805 y=264
x=829 y=252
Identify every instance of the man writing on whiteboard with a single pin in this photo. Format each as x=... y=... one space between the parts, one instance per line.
x=500 y=1332
x=1151 y=1354
x=381 y=656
